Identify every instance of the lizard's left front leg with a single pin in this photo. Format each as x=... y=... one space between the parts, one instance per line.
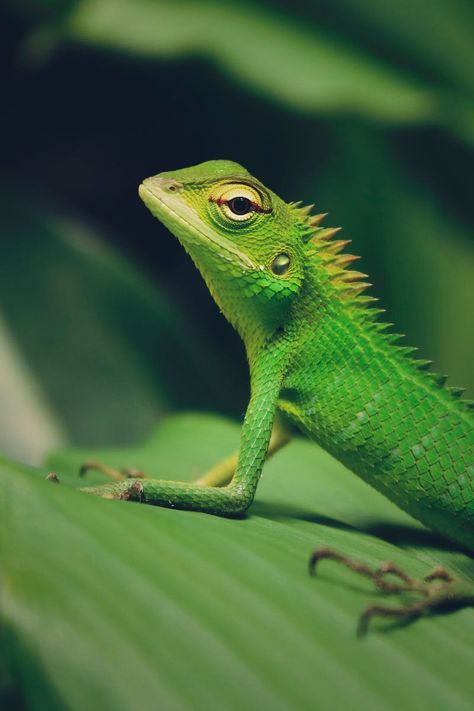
x=236 y=496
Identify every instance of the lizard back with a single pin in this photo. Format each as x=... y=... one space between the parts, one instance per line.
x=367 y=402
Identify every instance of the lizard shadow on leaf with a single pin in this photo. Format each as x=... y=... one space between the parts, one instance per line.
x=275 y=511
x=396 y=534
x=395 y=625
x=401 y=535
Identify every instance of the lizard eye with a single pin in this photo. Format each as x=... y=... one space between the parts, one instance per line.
x=240 y=205
x=280 y=264
x=239 y=202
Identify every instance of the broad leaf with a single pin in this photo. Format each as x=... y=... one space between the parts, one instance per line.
x=116 y=605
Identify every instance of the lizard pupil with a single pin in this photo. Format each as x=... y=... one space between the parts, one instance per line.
x=240 y=205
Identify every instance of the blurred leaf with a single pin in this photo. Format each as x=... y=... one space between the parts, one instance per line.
x=125 y=606
x=431 y=38
x=109 y=350
x=265 y=50
x=432 y=33
x=28 y=427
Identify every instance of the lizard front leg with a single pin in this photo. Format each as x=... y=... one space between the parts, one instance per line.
x=223 y=472
x=229 y=488
x=219 y=475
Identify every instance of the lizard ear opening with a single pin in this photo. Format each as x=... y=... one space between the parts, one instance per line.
x=281 y=264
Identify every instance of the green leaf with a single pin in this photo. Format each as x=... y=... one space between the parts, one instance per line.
x=266 y=51
x=23 y=401
x=110 y=604
x=446 y=49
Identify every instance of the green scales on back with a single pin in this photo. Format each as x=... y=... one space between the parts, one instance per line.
x=365 y=399
x=316 y=351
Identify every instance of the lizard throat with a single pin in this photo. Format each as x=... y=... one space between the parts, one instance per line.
x=185 y=224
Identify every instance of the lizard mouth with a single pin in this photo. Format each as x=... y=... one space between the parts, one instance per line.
x=185 y=223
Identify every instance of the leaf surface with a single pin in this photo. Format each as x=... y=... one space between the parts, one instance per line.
x=118 y=605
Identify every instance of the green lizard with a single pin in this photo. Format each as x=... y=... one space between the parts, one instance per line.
x=317 y=354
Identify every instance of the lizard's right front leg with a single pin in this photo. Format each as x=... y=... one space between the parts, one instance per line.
x=236 y=496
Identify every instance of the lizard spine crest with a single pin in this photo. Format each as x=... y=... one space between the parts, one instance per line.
x=327 y=255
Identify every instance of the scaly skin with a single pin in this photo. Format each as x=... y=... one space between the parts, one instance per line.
x=315 y=351
x=371 y=406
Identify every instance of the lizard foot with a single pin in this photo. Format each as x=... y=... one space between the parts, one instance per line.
x=123 y=490
x=439 y=590
x=111 y=472
x=52 y=477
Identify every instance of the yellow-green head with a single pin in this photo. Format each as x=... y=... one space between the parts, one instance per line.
x=244 y=239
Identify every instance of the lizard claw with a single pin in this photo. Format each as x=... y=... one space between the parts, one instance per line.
x=439 y=590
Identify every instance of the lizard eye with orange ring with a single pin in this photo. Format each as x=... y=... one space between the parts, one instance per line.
x=238 y=202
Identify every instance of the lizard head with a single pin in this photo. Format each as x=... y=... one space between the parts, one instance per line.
x=243 y=238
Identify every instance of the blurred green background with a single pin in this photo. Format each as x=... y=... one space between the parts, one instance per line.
x=364 y=107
